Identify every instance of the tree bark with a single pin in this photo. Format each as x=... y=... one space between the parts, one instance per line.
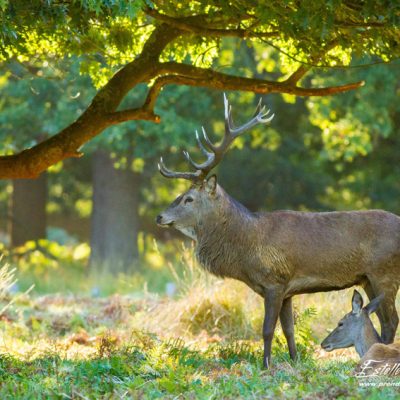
x=115 y=219
x=28 y=210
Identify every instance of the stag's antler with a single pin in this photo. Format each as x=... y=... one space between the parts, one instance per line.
x=213 y=152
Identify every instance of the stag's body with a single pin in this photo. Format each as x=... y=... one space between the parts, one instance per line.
x=284 y=253
x=303 y=252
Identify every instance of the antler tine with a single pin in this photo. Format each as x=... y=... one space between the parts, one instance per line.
x=164 y=170
x=228 y=113
x=259 y=107
x=188 y=158
x=262 y=117
x=226 y=106
x=231 y=132
x=210 y=144
x=200 y=143
x=204 y=165
x=230 y=119
x=167 y=173
x=216 y=152
x=258 y=118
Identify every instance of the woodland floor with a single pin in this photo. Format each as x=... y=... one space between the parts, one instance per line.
x=121 y=347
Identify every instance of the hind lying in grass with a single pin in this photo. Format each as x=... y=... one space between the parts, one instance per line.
x=356 y=329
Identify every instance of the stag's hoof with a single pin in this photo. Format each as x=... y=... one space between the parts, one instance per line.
x=267 y=364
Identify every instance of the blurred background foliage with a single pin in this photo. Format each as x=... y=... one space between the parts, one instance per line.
x=86 y=228
x=319 y=153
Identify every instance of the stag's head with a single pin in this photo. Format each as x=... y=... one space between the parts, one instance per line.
x=201 y=200
x=352 y=327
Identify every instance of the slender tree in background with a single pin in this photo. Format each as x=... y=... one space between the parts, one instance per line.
x=123 y=161
x=167 y=42
x=115 y=219
x=28 y=210
x=35 y=100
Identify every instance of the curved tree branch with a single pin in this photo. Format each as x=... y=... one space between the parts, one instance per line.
x=297 y=75
x=102 y=112
x=197 y=25
x=143 y=113
x=185 y=74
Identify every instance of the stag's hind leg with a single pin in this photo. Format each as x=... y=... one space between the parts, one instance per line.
x=387 y=313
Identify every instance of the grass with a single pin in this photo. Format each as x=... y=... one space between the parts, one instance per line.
x=202 y=343
x=63 y=348
x=149 y=368
x=69 y=347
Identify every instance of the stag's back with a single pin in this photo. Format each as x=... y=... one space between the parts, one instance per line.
x=346 y=244
x=309 y=251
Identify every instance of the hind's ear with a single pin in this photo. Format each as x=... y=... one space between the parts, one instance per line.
x=211 y=184
x=374 y=304
x=356 y=302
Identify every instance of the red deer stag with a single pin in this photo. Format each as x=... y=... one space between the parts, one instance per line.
x=283 y=253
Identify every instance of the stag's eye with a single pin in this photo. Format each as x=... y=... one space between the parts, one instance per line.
x=340 y=324
x=188 y=200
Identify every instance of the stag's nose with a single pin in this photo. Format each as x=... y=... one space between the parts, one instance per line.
x=159 y=219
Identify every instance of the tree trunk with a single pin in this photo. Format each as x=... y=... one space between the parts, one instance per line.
x=115 y=220
x=28 y=210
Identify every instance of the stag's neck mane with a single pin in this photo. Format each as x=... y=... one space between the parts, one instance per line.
x=216 y=234
x=229 y=215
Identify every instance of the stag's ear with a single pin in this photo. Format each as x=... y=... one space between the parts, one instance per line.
x=211 y=184
x=374 y=304
x=356 y=302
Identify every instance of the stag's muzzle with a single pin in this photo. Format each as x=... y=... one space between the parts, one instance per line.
x=161 y=221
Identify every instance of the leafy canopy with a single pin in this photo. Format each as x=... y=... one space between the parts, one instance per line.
x=109 y=34
x=128 y=45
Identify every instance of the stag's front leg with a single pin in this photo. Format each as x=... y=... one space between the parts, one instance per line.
x=287 y=323
x=273 y=303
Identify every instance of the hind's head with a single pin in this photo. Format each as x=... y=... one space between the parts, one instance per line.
x=351 y=328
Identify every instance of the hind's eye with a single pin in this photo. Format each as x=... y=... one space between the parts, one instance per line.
x=340 y=324
x=188 y=200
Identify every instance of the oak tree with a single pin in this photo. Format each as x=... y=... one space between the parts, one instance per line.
x=127 y=43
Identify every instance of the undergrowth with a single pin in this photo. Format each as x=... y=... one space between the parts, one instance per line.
x=204 y=342
x=60 y=347
x=147 y=367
